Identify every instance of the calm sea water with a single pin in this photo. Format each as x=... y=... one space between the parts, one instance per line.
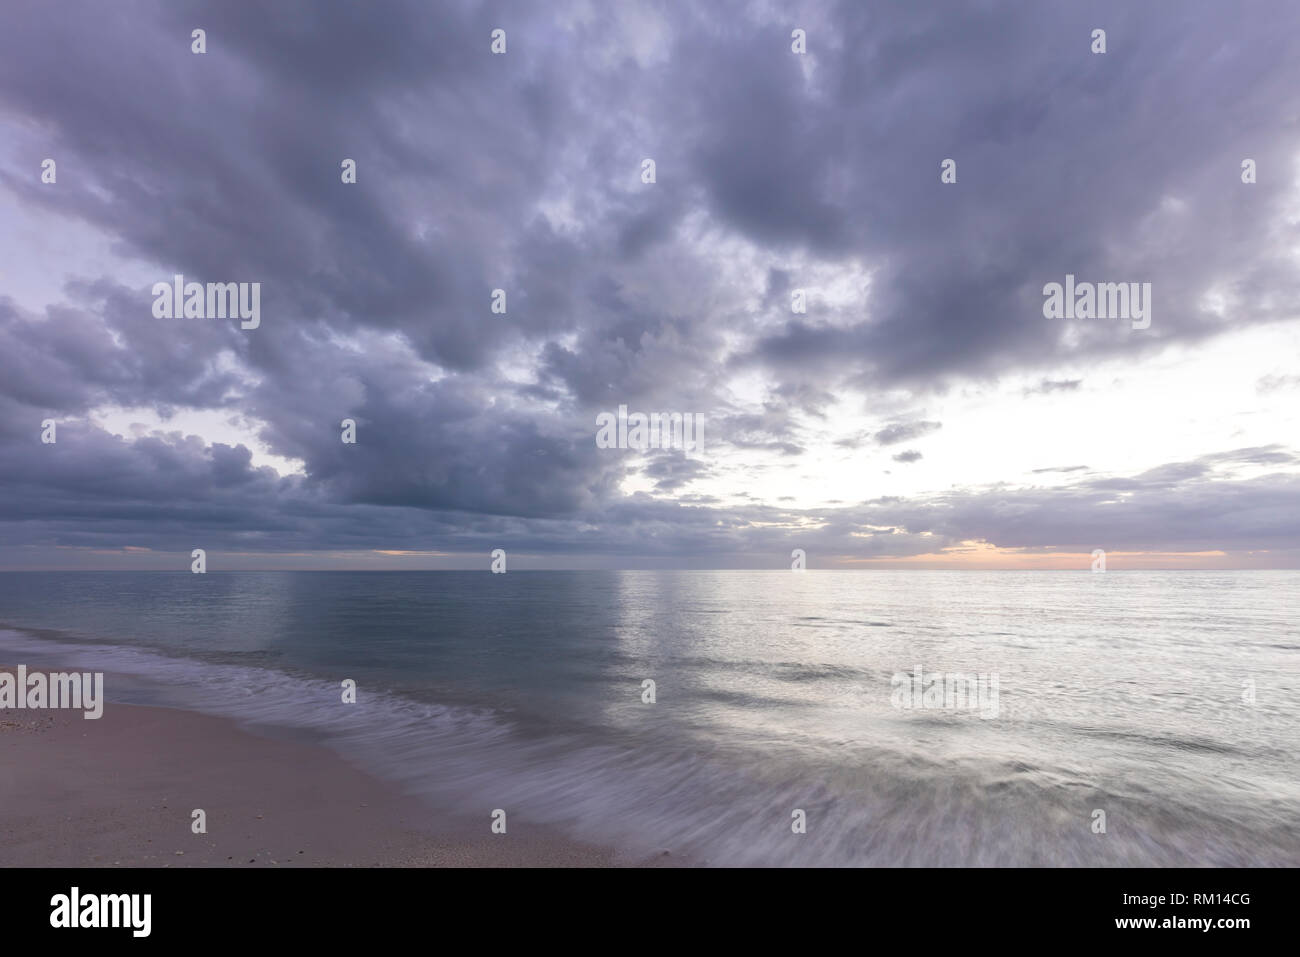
x=1124 y=692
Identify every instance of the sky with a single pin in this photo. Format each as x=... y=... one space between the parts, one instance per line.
x=922 y=411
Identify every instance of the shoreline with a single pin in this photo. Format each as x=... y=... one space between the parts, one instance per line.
x=120 y=791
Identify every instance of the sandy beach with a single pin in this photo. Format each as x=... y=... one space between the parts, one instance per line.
x=120 y=792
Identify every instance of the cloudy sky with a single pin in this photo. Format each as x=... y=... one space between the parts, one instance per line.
x=921 y=412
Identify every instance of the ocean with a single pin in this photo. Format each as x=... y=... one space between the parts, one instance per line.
x=1140 y=718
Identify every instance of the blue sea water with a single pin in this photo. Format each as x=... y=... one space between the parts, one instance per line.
x=1166 y=700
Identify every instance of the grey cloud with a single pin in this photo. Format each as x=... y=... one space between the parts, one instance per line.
x=519 y=172
x=905 y=431
x=1048 y=386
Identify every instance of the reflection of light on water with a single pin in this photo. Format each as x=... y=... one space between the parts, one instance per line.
x=1120 y=691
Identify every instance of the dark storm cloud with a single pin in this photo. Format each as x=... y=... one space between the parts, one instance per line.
x=521 y=172
x=96 y=492
x=1097 y=165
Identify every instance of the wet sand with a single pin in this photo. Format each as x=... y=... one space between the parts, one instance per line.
x=120 y=791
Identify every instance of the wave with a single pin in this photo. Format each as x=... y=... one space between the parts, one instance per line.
x=711 y=802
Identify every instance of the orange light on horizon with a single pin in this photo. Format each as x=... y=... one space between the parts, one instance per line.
x=982 y=555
